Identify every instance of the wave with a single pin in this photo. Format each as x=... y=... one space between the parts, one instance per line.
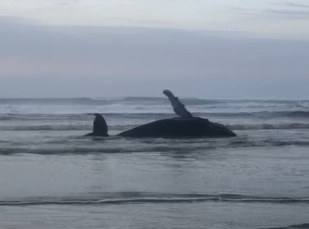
x=141 y=198
x=107 y=101
x=62 y=128
x=152 y=114
x=87 y=100
x=261 y=114
x=47 y=128
x=279 y=126
x=97 y=150
x=149 y=105
x=298 y=226
x=258 y=114
x=125 y=146
x=81 y=116
x=296 y=114
x=56 y=101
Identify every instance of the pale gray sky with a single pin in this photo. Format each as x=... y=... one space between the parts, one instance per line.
x=212 y=49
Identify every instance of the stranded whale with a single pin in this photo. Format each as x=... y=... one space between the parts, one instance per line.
x=194 y=127
x=185 y=126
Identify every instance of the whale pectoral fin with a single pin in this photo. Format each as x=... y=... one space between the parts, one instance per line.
x=178 y=107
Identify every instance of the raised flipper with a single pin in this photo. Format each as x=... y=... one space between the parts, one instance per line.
x=178 y=107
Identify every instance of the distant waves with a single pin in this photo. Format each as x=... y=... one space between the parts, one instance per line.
x=144 y=105
x=153 y=114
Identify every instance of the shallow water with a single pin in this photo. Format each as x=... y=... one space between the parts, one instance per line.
x=52 y=177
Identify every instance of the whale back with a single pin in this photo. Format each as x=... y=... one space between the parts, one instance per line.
x=179 y=127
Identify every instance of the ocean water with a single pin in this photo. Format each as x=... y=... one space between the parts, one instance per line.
x=52 y=177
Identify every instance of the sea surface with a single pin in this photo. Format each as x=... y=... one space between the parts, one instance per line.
x=51 y=177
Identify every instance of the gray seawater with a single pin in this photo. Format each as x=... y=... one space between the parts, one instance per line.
x=51 y=177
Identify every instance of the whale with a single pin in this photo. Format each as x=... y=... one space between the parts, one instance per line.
x=178 y=127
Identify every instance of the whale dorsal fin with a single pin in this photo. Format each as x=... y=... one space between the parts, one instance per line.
x=99 y=126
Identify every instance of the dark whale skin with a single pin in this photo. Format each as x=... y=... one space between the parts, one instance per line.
x=195 y=127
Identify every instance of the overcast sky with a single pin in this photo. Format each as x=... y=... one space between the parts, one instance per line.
x=197 y=48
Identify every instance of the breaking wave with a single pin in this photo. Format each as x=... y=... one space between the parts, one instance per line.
x=262 y=114
x=88 y=127
x=119 y=145
x=144 y=198
x=298 y=226
x=148 y=114
x=80 y=116
x=280 y=126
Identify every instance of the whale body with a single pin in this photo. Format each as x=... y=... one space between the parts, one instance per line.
x=179 y=128
x=194 y=127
